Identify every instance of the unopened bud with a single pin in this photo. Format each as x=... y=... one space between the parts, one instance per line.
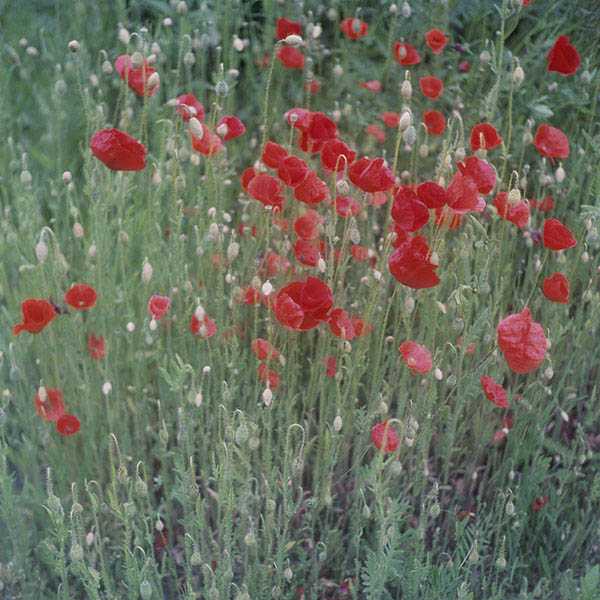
x=232 y=251
x=78 y=230
x=404 y=122
x=136 y=60
x=406 y=10
x=196 y=128
x=153 y=81
x=342 y=187
x=560 y=174
x=518 y=76
x=124 y=36
x=337 y=423
x=406 y=90
x=338 y=70
x=410 y=135
x=73 y=46
x=267 y=396
x=146 y=271
x=222 y=130
x=267 y=288
x=41 y=251
x=293 y=40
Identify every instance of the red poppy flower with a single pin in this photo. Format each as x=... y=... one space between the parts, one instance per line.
x=480 y=172
x=354 y=28
x=432 y=87
x=360 y=328
x=462 y=194
x=336 y=155
x=372 y=86
x=81 y=296
x=331 y=364
x=302 y=118
x=229 y=128
x=209 y=144
x=464 y=66
x=557 y=236
x=95 y=347
x=500 y=434
x=305 y=225
x=494 y=392
x=196 y=326
x=517 y=214
x=484 y=136
x=68 y=425
x=137 y=79
x=268 y=377
x=557 y=288
x=539 y=503
x=417 y=357
x=288 y=312
x=306 y=253
x=117 y=150
x=346 y=206
x=391 y=119
x=321 y=128
x=264 y=350
x=436 y=40
x=432 y=195
x=37 y=313
x=522 y=342
x=405 y=54
x=312 y=190
x=370 y=175
x=195 y=108
x=266 y=189
x=158 y=306
x=286 y=27
x=435 y=122
x=340 y=324
x=411 y=266
x=551 y=142
x=316 y=298
x=293 y=170
x=376 y=132
x=563 y=58
x=247 y=176
x=384 y=437
x=359 y=252
x=273 y=155
x=53 y=408
x=545 y=204
x=408 y=210
x=249 y=296
x=290 y=57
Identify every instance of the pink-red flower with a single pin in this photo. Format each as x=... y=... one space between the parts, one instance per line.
x=431 y=86
x=158 y=306
x=96 y=347
x=408 y=210
x=435 y=122
x=551 y=142
x=384 y=437
x=484 y=136
x=137 y=79
x=205 y=328
x=436 y=40
x=264 y=350
x=494 y=392
x=517 y=213
x=522 y=342
x=68 y=425
x=53 y=408
x=229 y=128
x=354 y=28
x=194 y=108
x=417 y=357
x=370 y=175
x=405 y=54
x=290 y=57
x=287 y=27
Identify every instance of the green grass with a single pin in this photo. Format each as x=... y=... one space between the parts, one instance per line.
x=182 y=482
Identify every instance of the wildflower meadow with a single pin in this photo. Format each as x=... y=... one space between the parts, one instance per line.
x=300 y=299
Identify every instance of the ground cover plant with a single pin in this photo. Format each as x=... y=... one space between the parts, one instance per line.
x=299 y=299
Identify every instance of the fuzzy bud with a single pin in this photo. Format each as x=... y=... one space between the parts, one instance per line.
x=404 y=122
x=410 y=135
x=78 y=230
x=196 y=128
x=232 y=251
x=337 y=423
x=136 y=60
x=406 y=90
x=293 y=40
x=518 y=76
x=73 y=46
x=153 y=80
x=267 y=396
x=41 y=251
x=560 y=174
x=76 y=553
x=145 y=590
x=146 y=271
x=406 y=10
x=267 y=288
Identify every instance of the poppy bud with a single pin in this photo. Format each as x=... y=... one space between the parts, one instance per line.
x=267 y=396
x=406 y=10
x=293 y=40
x=267 y=288
x=145 y=590
x=510 y=508
x=518 y=76
x=232 y=251
x=73 y=46
x=196 y=128
x=338 y=71
x=26 y=177
x=182 y=8
x=250 y=539
x=213 y=231
x=136 y=61
x=222 y=130
x=77 y=230
x=501 y=562
x=560 y=174
x=41 y=251
x=76 y=553
x=485 y=57
x=514 y=196
x=146 y=271
x=404 y=122
x=406 y=89
x=423 y=150
x=153 y=81
x=222 y=88
x=337 y=423
x=435 y=510
x=410 y=135
x=322 y=265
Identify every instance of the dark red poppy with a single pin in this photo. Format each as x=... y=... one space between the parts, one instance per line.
x=370 y=175
x=81 y=296
x=287 y=27
x=557 y=236
x=137 y=79
x=384 y=437
x=117 y=150
x=551 y=142
x=484 y=136
x=331 y=364
x=462 y=194
x=266 y=189
x=435 y=122
x=204 y=329
x=53 y=408
x=346 y=206
x=229 y=128
x=494 y=392
x=306 y=253
x=36 y=314
x=293 y=170
x=96 y=347
x=405 y=54
x=264 y=350
x=432 y=194
x=563 y=58
x=195 y=108
x=68 y=425
x=408 y=211
x=539 y=503
x=268 y=376
x=417 y=357
x=464 y=66
x=436 y=40
x=305 y=225
x=481 y=172
x=340 y=324
x=557 y=288
x=522 y=342
x=431 y=86
x=359 y=252
x=312 y=190
x=376 y=132
x=316 y=298
x=410 y=264
x=209 y=144
x=545 y=204
x=273 y=154
x=372 y=86
x=517 y=214
x=290 y=57
x=391 y=119
x=158 y=306
x=354 y=28
x=336 y=155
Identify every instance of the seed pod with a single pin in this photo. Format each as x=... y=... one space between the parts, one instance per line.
x=145 y=590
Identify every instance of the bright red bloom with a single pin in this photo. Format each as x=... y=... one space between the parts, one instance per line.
x=53 y=408
x=354 y=28
x=336 y=155
x=192 y=103
x=312 y=190
x=290 y=57
x=306 y=253
x=410 y=264
x=247 y=176
x=293 y=170
x=522 y=342
x=464 y=66
x=118 y=151
x=81 y=296
x=359 y=252
x=302 y=116
x=137 y=79
x=232 y=129
x=273 y=155
x=286 y=27
x=264 y=350
x=405 y=54
x=68 y=425
x=266 y=189
x=305 y=225
x=321 y=128
x=384 y=437
x=557 y=288
x=432 y=195
x=36 y=313
x=436 y=40
x=480 y=172
x=316 y=298
x=484 y=136
x=563 y=58
x=417 y=357
x=462 y=194
x=370 y=175
x=372 y=86
x=391 y=119
x=435 y=122
x=545 y=204
x=208 y=324
x=340 y=324
x=346 y=206
x=539 y=503
x=95 y=347
x=288 y=312
x=158 y=306
x=209 y=144
x=331 y=364
x=517 y=214
x=376 y=132
x=494 y=392
x=431 y=86
x=557 y=236
x=408 y=210
x=551 y=142
x=268 y=377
